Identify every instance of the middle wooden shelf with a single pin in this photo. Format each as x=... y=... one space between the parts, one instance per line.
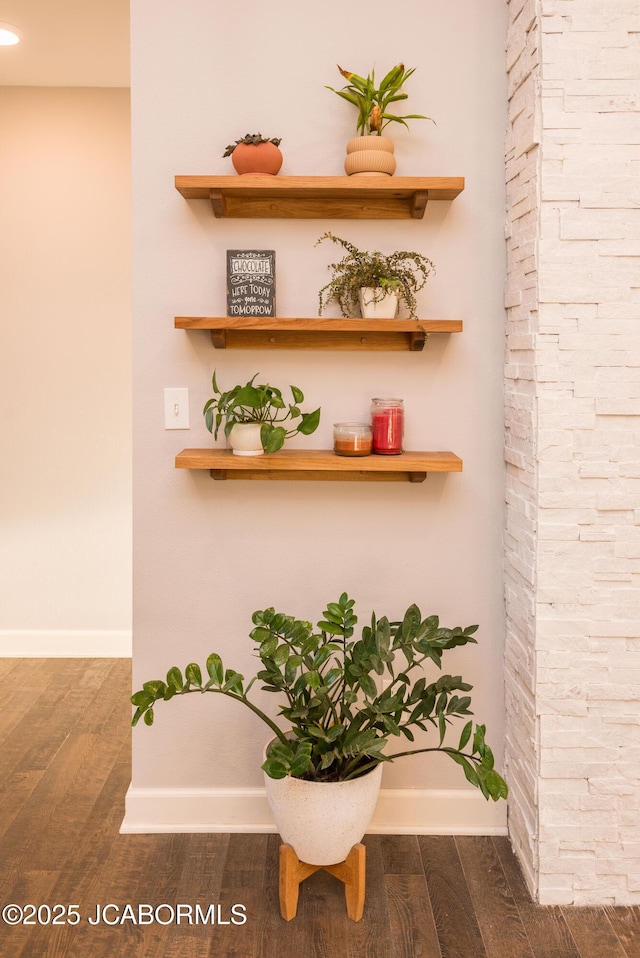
x=266 y=332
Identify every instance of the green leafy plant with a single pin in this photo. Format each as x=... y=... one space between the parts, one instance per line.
x=259 y=403
x=253 y=139
x=403 y=271
x=372 y=103
x=340 y=719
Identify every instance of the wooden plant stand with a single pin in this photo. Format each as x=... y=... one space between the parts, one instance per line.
x=351 y=872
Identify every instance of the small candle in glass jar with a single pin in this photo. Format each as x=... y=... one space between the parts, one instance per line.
x=352 y=439
x=387 y=420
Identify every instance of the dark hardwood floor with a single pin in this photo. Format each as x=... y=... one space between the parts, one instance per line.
x=64 y=771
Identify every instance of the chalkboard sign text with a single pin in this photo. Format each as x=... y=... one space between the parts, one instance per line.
x=251 y=282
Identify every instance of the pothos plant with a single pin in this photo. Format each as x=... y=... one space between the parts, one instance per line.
x=405 y=272
x=346 y=699
x=372 y=102
x=259 y=403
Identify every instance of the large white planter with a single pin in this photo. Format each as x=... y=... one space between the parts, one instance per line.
x=378 y=303
x=244 y=439
x=323 y=820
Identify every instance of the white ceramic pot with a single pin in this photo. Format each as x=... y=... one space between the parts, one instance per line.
x=244 y=439
x=323 y=820
x=370 y=156
x=378 y=303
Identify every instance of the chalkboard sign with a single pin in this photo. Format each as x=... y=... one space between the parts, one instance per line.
x=251 y=282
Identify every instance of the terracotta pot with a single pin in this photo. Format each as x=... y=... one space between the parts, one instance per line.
x=256 y=158
x=323 y=820
x=370 y=155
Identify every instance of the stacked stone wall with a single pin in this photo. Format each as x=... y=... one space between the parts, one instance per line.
x=574 y=354
x=521 y=303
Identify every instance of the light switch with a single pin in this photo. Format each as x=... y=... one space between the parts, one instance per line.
x=176 y=408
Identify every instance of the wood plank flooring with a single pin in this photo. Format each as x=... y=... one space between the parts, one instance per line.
x=64 y=771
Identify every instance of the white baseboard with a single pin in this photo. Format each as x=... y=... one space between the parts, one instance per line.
x=399 y=811
x=65 y=643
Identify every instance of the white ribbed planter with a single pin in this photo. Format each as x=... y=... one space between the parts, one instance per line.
x=378 y=303
x=244 y=439
x=323 y=820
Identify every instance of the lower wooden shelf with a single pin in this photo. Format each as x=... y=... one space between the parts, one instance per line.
x=259 y=332
x=319 y=464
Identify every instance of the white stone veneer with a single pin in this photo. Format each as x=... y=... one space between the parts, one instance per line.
x=573 y=447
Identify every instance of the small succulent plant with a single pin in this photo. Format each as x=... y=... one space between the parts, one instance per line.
x=252 y=139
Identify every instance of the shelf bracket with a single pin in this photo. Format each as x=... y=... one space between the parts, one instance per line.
x=218 y=473
x=219 y=338
x=417 y=340
x=419 y=202
x=417 y=476
x=217 y=203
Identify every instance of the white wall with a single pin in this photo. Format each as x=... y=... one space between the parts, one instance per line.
x=208 y=554
x=65 y=310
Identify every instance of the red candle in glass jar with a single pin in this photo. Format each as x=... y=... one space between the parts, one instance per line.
x=387 y=421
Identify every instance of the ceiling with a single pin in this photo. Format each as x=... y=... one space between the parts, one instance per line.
x=67 y=43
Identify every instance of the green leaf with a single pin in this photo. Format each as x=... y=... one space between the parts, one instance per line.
x=248 y=396
x=174 y=679
x=142 y=699
x=442 y=726
x=148 y=717
x=193 y=674
x=232 y=681
x=215 y=669
x=302 y=759
x=466 y=735
x=469 y=771
x=368 y=686
x=390 y=725
x=334 y=732
x=496 y=785
x=330 y=627
x=275 y=769
x=281 y=655
x=268 y=647
x=298 y=395
x=276 y=438
x=410 y=622
x=309 y=422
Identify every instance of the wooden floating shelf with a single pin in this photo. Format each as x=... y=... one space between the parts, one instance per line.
x=319 y=464
x=258 y=332
x=319 y=197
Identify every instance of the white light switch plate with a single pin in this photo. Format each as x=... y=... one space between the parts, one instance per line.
x=176 y=408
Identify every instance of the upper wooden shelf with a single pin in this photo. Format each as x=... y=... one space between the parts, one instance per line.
x=319 y=197
x=259 y=332
x=319 y=464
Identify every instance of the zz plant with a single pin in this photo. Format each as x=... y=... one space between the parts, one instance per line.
x=341 y=720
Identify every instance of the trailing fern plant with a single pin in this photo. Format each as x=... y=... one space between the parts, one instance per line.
x=404 y=272
x=345 y=699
